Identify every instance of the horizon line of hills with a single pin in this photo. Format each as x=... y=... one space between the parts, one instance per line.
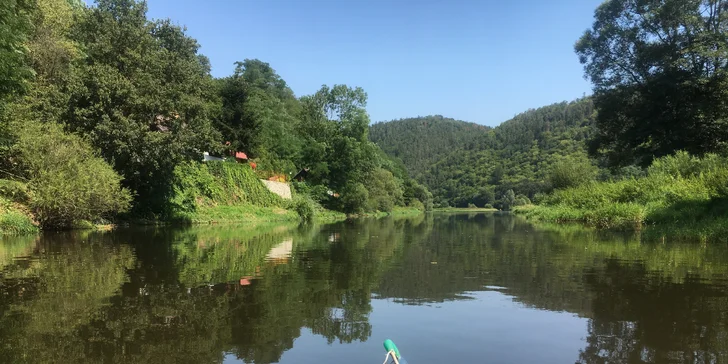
x=465 y=164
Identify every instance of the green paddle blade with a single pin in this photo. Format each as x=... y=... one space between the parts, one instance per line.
x=389 y=346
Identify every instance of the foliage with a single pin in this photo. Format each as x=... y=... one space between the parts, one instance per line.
x=15 y=28
x=354 y=198
x=305 y=207
x=420 y=142
x=198 y=184
x=67 y=179
x=679 y=189
x=259 y=115
x=571 y=172
x=477 y=165
x=384 y=191
x=143 y=96
x=14 y=221
x=659 y=75
x=14 y=191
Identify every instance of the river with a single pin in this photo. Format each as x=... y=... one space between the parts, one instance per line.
x=447 y=288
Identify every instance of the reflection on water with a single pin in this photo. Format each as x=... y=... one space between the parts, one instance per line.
x=448 y=288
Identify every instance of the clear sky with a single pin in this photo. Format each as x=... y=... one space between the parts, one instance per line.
x=476 y=60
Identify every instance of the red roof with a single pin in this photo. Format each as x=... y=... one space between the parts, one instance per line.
x=241 y=155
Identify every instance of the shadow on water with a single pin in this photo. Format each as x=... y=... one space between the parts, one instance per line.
x=204 y=294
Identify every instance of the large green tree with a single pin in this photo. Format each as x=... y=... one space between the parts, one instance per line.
x=15 y=28
x=259 y=115
x=335 y=128
x=143 y=96
x=660 y=75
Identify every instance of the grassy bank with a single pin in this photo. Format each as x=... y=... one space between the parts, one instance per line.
x=685 y=193
x=463 y=209
x=15 y=219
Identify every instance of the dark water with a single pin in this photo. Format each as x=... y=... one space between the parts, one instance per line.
x=446 y=288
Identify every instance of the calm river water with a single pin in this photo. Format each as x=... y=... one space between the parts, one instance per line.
x=447 y=288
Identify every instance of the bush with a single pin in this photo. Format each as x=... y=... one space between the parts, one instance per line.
x=571 y=172
x=417 y=204
x=679 y=188
x=305 y=207
x=684 y=165
x=385 y=191
x=217 y=183
x=16 y=223
x=354 y=198
x=522 y=200
x=472 y=206
x=14 y=191
x=67 y=179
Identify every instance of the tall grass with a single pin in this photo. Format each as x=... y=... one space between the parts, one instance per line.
x=679 y=189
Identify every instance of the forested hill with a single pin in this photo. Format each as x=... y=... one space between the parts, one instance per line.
x=422 y=141
x=464 y=167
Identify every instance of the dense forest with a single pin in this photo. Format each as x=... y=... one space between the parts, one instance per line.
x=101 y=107
x=479 y=168
x=420 y=142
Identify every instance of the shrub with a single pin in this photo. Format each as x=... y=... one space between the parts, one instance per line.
x=16 y=223
x=354 y=198
x=14 y=191
x=679 y=188
x=521 y=200
x=68 y=180
x=571 y=172
x=508 y=200
x=305 y=207
x=472 y=206
x=384 y=191
x=417 y=204
x=217 y=183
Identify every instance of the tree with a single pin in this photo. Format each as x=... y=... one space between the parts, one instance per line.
x=385 y=191
x=144 y=97
x=15 y=28
x=660 y=75
x=334 y=127
x=259 y=114
x=68 y=181
x=508 y=200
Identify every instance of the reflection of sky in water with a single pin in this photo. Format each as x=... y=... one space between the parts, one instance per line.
x=489 y=328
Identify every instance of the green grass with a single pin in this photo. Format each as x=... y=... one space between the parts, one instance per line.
x=464 y=209
x=244 y=213
x=14 y=221
x=689 y=195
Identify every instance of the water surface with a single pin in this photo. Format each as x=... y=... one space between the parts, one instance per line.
x=447 y=288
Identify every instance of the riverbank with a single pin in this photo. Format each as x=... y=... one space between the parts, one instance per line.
x=15 y=219
x=464 y=209
x=687 y=195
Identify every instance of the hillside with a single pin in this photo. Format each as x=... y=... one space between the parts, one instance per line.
x=420 y=142
x=461 y=167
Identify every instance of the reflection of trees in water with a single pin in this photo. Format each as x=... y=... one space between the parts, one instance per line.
x=47 y=297
x=646 y=301
x=176 y=296
x=639 y=316
x=179 y=298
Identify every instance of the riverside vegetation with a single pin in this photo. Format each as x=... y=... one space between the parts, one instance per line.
x=648 y=147
x=127 y=105
x=105 y=115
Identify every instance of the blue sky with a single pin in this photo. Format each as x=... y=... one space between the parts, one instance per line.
x=475 y=60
